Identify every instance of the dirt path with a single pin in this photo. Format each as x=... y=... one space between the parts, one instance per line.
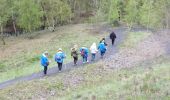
x=111 y=50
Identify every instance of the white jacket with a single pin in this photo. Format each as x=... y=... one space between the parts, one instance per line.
x=93 y=48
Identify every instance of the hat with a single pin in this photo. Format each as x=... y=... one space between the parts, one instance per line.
x=46 y=52
x=59 y=49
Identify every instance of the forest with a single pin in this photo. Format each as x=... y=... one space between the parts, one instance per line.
x=26 y=16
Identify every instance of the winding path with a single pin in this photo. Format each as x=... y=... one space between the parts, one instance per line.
x=121 y=33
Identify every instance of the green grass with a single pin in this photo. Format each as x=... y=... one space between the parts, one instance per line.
x=149 y=82
x=133 y=38
x=26 y=59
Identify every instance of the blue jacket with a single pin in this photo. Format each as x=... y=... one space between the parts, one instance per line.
x=85 y=52
x=59 y=57
x=102 y=47
x=44 y=60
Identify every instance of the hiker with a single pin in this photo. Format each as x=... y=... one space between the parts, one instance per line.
x=93 y=50
x=59 y=58
x=84 y=54
x=102 y=48
x=112 y=37
x=104 y=41
x=74 y=54
x=45 y=61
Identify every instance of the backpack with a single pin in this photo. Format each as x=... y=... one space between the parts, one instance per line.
x=58 y=57
x=82 y=52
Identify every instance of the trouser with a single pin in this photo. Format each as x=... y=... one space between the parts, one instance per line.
x=60 y=66
x=84 y=59
x=113 y=41
x=102 y=53
x=75 y=60
x=45 y=70
x=93 y=55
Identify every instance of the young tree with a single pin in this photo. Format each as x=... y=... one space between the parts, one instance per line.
x=13 y=12
x=3 y=18
x=132 y=12
x=29 y=15
x=55 y=11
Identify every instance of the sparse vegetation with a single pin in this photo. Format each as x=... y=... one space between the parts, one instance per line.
x=133 y=38
x=139 y=69
x=94 y=81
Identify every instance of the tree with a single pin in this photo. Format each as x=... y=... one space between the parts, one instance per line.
x=3 y=18
x=56 y=11
x=132 y=12
x=30 y=15
x=13 y=12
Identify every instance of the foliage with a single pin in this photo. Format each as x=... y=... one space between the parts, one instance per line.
x=29 y=15
x=34 y=14
x=55 y=11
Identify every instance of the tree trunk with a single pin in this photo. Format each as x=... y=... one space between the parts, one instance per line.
x=2 y=37
x=53 y=22
x=13 y=22
x=44 y=16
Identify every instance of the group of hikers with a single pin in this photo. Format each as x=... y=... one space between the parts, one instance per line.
x=83 y=51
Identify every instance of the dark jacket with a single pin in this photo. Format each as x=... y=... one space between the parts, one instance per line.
x=112 y=35
x=74 y=53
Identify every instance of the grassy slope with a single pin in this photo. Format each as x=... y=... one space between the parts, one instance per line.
x=134 y=38
x=143 y=82
x=137 y=83
x=21 y=56
x=140 y=83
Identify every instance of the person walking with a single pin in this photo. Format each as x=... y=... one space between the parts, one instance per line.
x=102 y=48
x=93 y=50
x=112 y=37
x=74 y=54
x=45 y=61
x=104 y=41
x=59 y=58
x=84 y=54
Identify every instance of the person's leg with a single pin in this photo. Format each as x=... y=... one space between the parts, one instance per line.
x=113 y=40
x=102 y=54
x=93 y=57
x=75 y=60
x=84 y=59
x=45 y=70
x=59 y=66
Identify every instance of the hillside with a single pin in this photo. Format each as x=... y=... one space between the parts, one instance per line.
x=139 y=70
x=37 y=38
x=21 y=55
